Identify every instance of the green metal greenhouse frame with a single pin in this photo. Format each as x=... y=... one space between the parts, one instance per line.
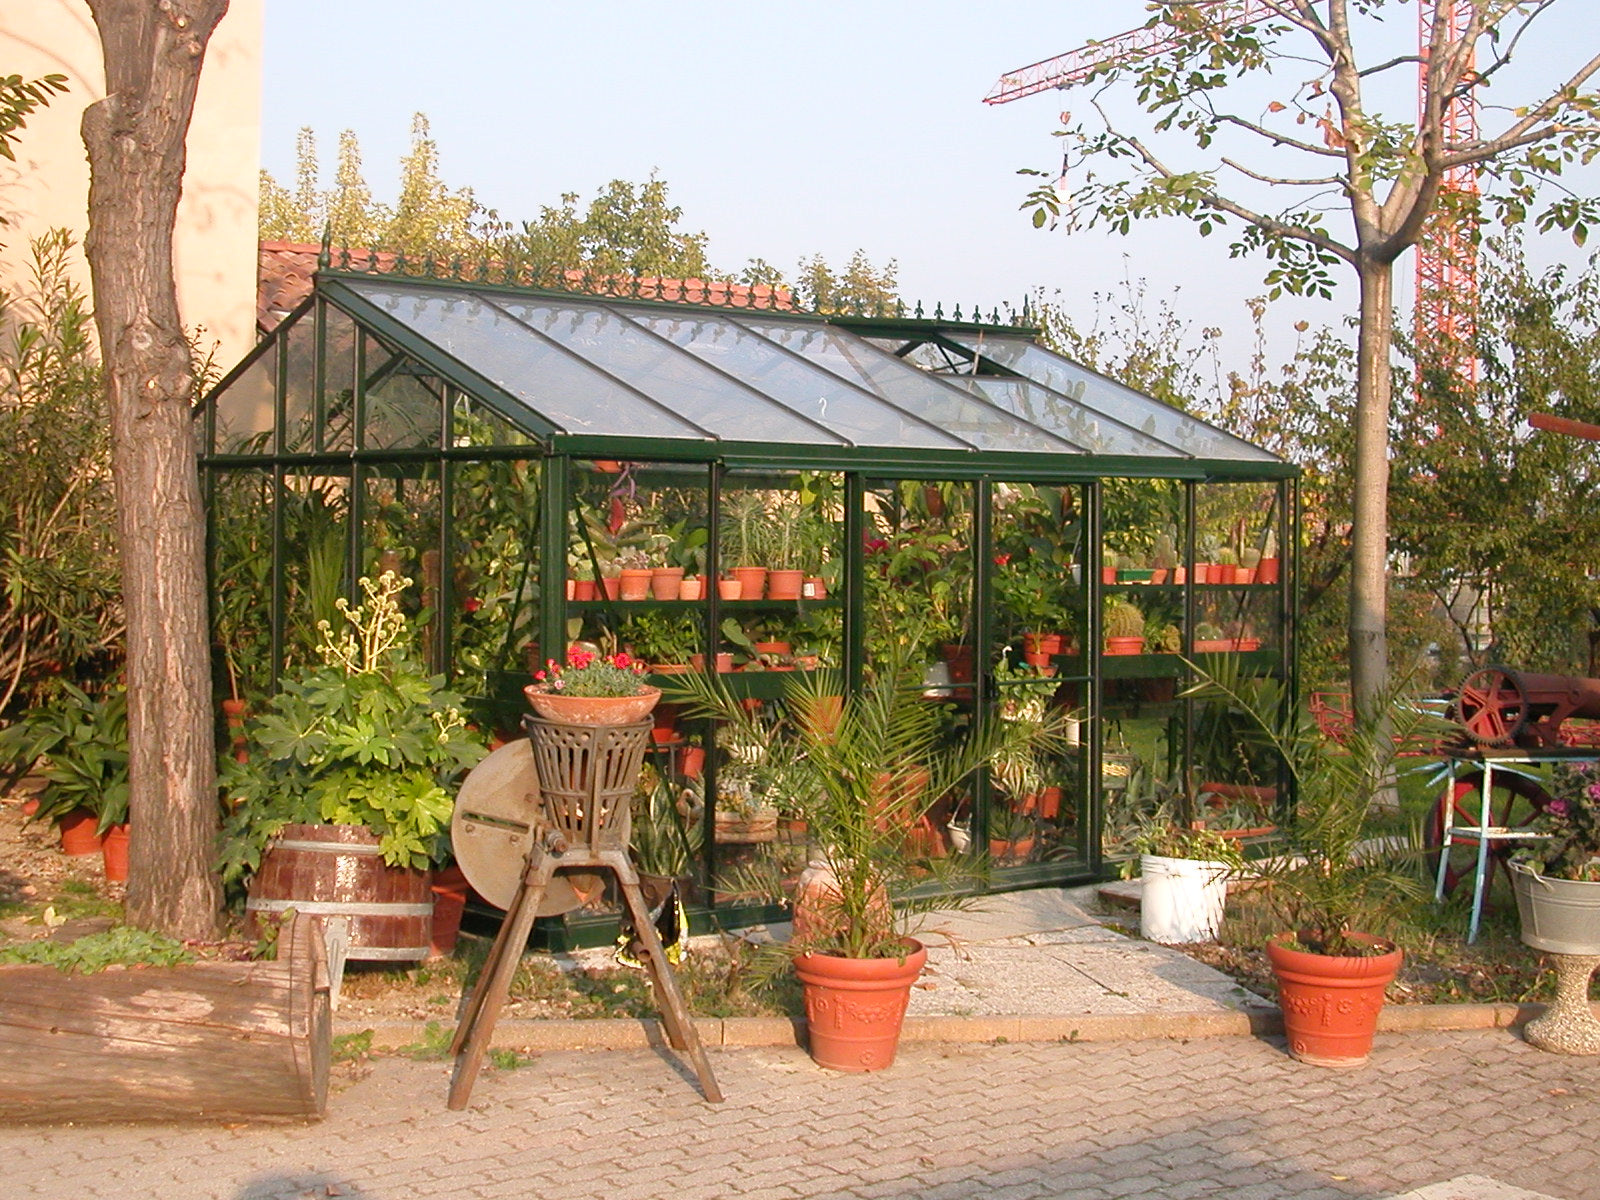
x=378 y=375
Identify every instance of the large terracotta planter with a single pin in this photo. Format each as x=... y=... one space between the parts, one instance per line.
x=592 y=710
x=1330 y=1002
x=855 y=1006
x=752 y=582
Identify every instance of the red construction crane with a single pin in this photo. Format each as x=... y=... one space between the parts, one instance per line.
x=1447 y=258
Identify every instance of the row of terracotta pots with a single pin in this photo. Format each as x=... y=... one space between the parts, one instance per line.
x=669 y=583
x=1267 y=571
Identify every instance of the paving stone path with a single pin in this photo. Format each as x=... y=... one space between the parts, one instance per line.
x=1225 y=1116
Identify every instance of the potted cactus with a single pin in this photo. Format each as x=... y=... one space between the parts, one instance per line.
x=1124 y=628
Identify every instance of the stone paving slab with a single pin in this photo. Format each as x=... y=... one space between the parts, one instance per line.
x=1188 y=1120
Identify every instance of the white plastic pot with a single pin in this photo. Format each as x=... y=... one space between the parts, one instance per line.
x=1182 y=898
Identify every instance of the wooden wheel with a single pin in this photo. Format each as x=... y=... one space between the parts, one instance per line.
x=1492 y=706
x=1513 y=802
x=497 y=817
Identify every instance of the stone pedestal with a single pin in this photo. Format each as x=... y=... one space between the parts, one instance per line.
x=1569 y=1025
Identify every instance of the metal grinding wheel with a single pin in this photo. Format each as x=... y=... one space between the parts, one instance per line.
x=498 y=815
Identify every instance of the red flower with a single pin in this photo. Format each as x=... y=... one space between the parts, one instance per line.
x=472 y=604
x=1001 y=560
x=621 y=661
x=539 y=675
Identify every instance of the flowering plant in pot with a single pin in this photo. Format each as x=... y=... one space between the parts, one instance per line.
x=1336 y=891
x=592 y=688
x=862 y=782
x=1557 y=885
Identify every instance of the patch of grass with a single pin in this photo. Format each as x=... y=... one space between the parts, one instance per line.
x=80 y=898
x=120 y=945
x=433 y=1044
x=353 y=1047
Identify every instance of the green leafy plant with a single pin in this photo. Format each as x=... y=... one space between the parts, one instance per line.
x=862 y=783
x=1332 y=877
x=661 y=637
x=84 y=743
x=368 y=738
x=120 y=945
x=1570 y=823
x=663 y=842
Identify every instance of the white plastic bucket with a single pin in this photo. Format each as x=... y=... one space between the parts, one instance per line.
x=1182 y=898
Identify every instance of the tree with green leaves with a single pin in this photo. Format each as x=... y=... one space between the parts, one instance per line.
x=1501 y=523
x=1388 y=171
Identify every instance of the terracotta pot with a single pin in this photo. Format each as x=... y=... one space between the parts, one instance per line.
x=1159 y=574
x=1049 y=802
x=1108 y=574
x=1035 y=659
x=784 y=584
x=1124 y=645
x=635 y=584
x=450 y=890
x=1202 y=572
x=670 y=668
x=691 y=589
x=1000 y=848
x=665 y=582
x=1330 y=1002
x=813 y=587
x=591 y=710
x=961 y=661
x=724 y=662
x=1244 y=574
x=691 y=761
x=79 y=837
x=776 y=649
x=752 y=582
x=582 y=589
x=1178 y=574
x=730 y=589
x=855 y=1006
x=1043 y=643
x=610 y=587
x=114 y=853
x=1267 y=570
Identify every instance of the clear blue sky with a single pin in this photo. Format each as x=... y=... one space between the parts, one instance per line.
x=783 y=129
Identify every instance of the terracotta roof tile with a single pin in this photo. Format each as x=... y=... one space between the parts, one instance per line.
x=285 y=270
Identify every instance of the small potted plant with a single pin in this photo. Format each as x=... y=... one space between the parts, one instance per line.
x=83 y=741
x=1185 y=873
x=1124 y=631
x=592 y=689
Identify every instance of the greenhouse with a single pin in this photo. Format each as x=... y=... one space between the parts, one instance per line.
x=740 y=488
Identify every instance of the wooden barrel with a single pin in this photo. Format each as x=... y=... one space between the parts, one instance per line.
x=337 y=871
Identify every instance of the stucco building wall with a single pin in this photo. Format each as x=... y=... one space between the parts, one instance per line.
x=214 y=245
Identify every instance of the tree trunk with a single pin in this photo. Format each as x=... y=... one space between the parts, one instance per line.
x=1369 y=606
x=135 y=138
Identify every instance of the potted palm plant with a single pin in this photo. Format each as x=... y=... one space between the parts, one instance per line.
x=862 y=783
x=1334 y=888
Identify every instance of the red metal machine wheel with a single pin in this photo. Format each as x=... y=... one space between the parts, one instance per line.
x=1493 y=707
x=1514 y=801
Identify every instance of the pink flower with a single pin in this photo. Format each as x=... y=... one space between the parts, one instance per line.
x=621 y=661
x=1557 y=808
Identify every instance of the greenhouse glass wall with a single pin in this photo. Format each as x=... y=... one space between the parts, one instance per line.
x=756 y=491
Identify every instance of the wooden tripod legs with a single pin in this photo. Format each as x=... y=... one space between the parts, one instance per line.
x=494 y=983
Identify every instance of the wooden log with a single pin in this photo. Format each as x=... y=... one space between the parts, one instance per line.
x=208 y=1041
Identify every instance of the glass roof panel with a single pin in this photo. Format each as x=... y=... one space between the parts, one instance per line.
x=720 y=405
x=851 y=358
x=862 y=417
x=566 y=392
x=1087 y=428
x=930 y=356
x=1032 y=361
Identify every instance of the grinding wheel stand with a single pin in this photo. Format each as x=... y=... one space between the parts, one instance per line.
x=532 y=823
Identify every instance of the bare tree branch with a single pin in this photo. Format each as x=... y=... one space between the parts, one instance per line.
x=1278 y=139
x=1273 y=179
